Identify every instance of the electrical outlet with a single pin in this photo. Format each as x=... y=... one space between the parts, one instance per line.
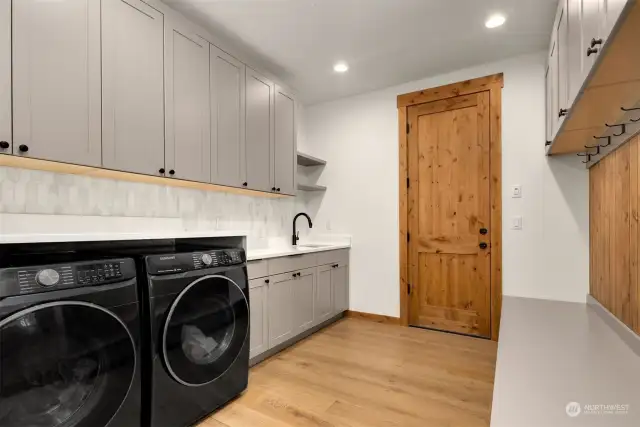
x=516 y=223
x=516 y=191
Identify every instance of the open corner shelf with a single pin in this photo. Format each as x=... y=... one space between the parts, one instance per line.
x=307 y=160
x=311 y=187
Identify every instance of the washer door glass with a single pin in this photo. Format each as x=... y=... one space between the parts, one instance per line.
x=64 y=364
x=205 y=330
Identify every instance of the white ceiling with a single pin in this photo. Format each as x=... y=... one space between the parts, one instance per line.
x=385 y=42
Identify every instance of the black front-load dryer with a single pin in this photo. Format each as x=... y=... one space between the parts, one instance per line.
x=197 y=304
x=69 y=343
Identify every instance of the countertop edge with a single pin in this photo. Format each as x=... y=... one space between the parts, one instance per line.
x=101 y=237
x=260 y=254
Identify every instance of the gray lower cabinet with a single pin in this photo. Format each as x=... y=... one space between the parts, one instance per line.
x=187 y=140
x=280 y=310
x=259 y=329
x=323 y=309
x=303 y=300
x=285 y=143
x=56 y=80
x=259 y=131
x=132 y=87
x=5 y=77
x=227 y=83
x=340 y=287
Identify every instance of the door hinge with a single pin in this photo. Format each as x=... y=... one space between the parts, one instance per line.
x=408 y=128
x=409 y=288
x=408 y=237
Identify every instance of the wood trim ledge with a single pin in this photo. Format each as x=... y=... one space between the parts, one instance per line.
x=378 y=318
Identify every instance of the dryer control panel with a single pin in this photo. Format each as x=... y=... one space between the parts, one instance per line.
x=25 y=280
x=181 y=262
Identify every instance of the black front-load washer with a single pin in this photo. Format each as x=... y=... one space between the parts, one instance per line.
x=197 y=305
x=69 y=343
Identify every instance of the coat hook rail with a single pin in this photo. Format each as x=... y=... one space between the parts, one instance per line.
x=590 y=147
x=626 y=110
x=608 y=138
x=623 y=129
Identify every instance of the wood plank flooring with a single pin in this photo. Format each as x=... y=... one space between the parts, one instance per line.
x=357 y=373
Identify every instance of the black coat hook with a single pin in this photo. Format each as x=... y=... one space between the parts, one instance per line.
x=590 y=147
x=623 y=130
x=626 y=110
x=587 y=155
x=608 y=138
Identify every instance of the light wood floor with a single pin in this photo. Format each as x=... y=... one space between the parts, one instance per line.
x=363 y=374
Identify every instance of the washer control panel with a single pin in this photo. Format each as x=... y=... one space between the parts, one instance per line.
x=36 y=279
x=181 y=262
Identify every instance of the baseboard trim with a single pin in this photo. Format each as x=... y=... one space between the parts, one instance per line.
x=625 y=333
x=378 y=318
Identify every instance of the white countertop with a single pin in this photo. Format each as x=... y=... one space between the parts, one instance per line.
x=552 y=353
x=281 y=251
x=113 y=236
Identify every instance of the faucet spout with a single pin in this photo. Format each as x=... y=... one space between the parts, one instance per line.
x=295 y=238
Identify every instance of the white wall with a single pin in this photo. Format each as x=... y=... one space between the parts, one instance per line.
x=358 y=137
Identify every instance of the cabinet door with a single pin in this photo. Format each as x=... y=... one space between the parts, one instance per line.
x=259 y=132
x=56 y=80
x=280 y=297
x=563 y=64
x=132 y=87
x=323 y=302
x=303 y=298
x=227 y=119
x=285 y=143
x=613 y=11
x=574 y=49
x=259 y=327
x=340 y=285
x=553 y=81
x=187 y=131
x=548 y=78
x=591 y=28
x=5 y=77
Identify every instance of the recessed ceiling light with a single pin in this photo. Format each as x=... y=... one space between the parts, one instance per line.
x=341 y=67
x=495 y=21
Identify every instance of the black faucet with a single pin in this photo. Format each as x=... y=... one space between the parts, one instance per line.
x=295 y=237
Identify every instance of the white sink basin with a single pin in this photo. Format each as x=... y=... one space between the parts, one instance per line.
x=311 y=246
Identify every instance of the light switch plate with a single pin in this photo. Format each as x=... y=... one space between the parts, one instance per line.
x=516 y=191
x=516 y=223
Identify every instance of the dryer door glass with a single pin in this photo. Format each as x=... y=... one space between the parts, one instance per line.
x=64 y=364
x=205 y=330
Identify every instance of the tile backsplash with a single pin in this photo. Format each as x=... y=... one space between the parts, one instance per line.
x=24 y=191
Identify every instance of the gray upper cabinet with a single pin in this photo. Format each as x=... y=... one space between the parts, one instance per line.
x=259 y=131
x=132 y=87
x=614 y=10
x=5 y=77
x=285 y=143
x=323 y=302
x=591 y=34
x=553 y=82
x=280 y=298
x=259 y=326
x=548 y=80
x=187 y=130
x=562 y=44
x=227 y=84
x=574 y=49
x=303 y=299
x=56 y=80
x=340 y=285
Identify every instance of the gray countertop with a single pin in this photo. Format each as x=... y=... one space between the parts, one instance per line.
x=553 y=353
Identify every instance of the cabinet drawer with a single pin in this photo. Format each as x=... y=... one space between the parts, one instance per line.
x=291 y=263
x=340 y=256
x=257 y=269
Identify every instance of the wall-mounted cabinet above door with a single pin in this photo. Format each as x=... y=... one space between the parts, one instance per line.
x=132 y=87
x=5 y=77
x=259 y=132
x=56 y=80
x=187 y=114
x=285 y=143
x=227 y=82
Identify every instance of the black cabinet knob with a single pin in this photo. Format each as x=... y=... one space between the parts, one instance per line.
x=266 y=281
x=293 y=275
x=483 y=231
x=23 y=148
x=244 y=184
x=273 y=188
x=172 y=172
x=595 y=42
x=563 y=112
x=161 y=170
x=4 y=145
x=278 y=190
x=592 y=50
x=483 y=245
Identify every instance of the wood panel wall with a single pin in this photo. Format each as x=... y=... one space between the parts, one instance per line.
x=614 y=193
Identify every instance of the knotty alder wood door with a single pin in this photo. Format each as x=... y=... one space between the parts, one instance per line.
x=450 y=214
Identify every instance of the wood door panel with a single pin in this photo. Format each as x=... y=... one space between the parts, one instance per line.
x=449 y=204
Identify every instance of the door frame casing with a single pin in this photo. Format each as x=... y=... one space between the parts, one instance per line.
x=493 y=84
